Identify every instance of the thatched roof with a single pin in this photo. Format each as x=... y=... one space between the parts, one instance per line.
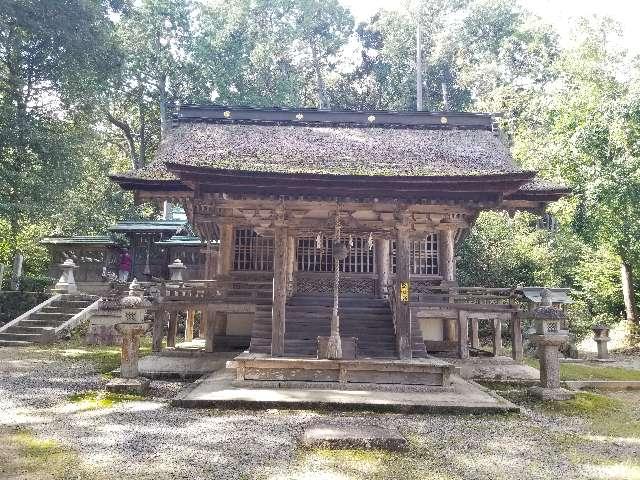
x=330 y=150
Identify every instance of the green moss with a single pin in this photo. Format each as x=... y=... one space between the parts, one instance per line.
x=579 y=371
x=606 y=415
x=97 y=399
x=29 y=457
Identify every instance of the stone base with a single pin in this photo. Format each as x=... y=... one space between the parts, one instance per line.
x=136 y=386
x=337 y=436
x=552 y=394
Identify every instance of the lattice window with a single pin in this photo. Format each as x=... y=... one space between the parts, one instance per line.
x=313 y=259
x=253 y=252
x=424 y=256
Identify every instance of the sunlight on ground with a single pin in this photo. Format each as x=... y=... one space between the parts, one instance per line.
x=614 y=471
x=93 y=400
x=28 y=457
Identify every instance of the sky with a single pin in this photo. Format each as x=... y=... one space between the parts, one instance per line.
x=557 y=12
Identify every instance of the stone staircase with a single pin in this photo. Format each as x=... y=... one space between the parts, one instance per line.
x=40 y=325
x=368 y=319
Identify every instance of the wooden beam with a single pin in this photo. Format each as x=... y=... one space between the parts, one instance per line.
x=447 y=247
x=225 y=260
x=383 y=264
x=497 y=337
x=403 y=313
x=159 y=318
x=517 y=352
x=173 y=329
x=475 y=339
x=463 y=334
x=210 y=332
x=188 y=326
x=280 y=258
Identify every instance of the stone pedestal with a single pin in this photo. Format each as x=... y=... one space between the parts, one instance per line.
x=130 y=381
x=601 y=337
x=130 y=328
x=67 y=282
x=548 y=354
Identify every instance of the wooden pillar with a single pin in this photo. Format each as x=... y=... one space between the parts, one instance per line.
x=280 y=244
x=291 y=259
x=475 y=339
x=383 y=264
x=449 y=330
x=188 y=326
x=202 y=332
x=516 y=338
x=172 y=333
x=447 y=246
x=463 y=334
x=221 y=323
x=227 y=247
x=402 y=313
x=497 y=337
x=210 y=332
x=159 y=318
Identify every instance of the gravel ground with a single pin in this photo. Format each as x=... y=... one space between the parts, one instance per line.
x=151 y=440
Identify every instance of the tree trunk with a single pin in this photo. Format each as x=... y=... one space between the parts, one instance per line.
x=322 y=98
x=628 y=292
x=162 y=89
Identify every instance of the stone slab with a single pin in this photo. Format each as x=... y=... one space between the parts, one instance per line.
x=551 y=394
x=136 y=386
x=496 y=369
x=182 y=364
x=603 y=384
x=218 y=390
x=326 y=435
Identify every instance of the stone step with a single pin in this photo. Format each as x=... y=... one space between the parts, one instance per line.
x=54 y=309
x=22 y=328
x=58 y=317
x=39 y=323
x=28 y=337
x=14 y=343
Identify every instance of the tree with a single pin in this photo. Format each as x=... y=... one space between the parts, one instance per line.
x=54 y=57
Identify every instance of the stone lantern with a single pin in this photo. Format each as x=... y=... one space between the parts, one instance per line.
x=548 y=338
x=601 y=337
x=67 y=282
x=132 y=326
x=177 y=269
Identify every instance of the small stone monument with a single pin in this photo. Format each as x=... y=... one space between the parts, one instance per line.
x=601 y=337
x=67 y=281
x=548 y=338
x=132 y=326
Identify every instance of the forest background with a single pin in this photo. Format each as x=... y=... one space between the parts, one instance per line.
x=87 y=88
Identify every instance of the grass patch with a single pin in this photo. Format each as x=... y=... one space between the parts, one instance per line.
x=28 y=457
x=607 y=416
x=94 y=400
x=578 y=371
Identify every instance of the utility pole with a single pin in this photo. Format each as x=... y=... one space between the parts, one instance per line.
x=418 y=64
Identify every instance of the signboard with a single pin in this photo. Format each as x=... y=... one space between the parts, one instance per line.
x=404 y=292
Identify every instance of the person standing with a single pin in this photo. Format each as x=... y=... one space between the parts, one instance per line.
x=124 y=267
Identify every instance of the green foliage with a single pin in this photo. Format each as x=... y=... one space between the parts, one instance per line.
x=505 y=252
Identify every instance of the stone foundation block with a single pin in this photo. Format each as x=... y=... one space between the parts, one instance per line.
x=136 y=386
x=551 y=394
x=324 y=435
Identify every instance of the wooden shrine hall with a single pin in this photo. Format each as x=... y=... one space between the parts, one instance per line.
x=335 y=234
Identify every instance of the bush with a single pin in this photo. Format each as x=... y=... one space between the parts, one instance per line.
x=35 y=283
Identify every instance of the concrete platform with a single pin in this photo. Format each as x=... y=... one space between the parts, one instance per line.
x=326 y=435
x=218 y=390
x=182 y=363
